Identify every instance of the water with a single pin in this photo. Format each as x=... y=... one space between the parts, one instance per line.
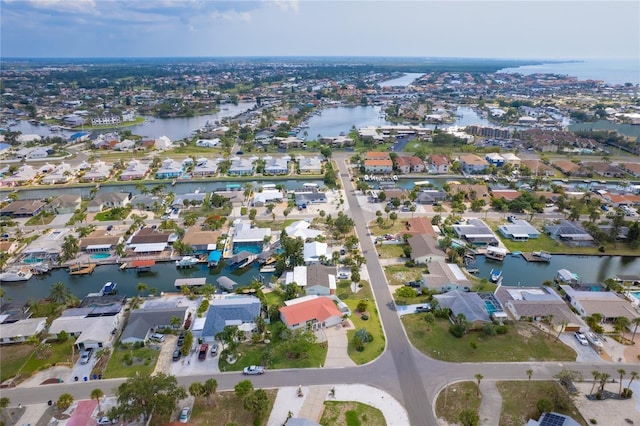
x=161 y=277
x=612 y=71
x=625 y=129
x=591 y=269
x=403 y=81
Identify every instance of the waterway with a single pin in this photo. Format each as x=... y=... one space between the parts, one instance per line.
x=162 y=277
x=625 y=129
x=403 y=81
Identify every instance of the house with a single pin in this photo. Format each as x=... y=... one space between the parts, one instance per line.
x=23 y=175
x=471 y=163
x=632 y=168
x=170 y=169
x=146 y=202
x=143 y=322
x=604 y=169
x=241 y=167
x=23 y=208
x=378 y=166
x=276 y=166
x=163 y=143
x=553 y=419
x=303 y=199
x=267 y=196
x=471 y=191
x=403 y=164
x=315 y=313
x=65 y=203
x=430 y=196
x=569 y=233
x=439 y=164
x=21 y=330
x=135 y=170
x=314 y=252
x=201 y=241
x=100 y=171
x=476 y=232
x=424 y=249
x=190 y=199
x=494 y=159
x=310 y=166
x=511 y=159
x=245 y=236
x=148 y=240
x=289 y=142
x=208 y=143
x=301 y=229
x=9 y=247
x=91 y=326
x=505 y=194
x=125 y=145
x=240 y=311
x=538 y=304
x=471 y=305
x=99 y=241
x=320 y=280
x=370 y=134
x=606 y=303
x=205 y=168
x=419 y=225
x=105 y=120
x=60 y=174
x=518 y=230
x=568 y=168
x=108 y=200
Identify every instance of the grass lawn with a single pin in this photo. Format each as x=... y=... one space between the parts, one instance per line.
x=61 y=353
x=456 y=398
x=117 y=213
x=41 y=219
x=388 y=227
x=13 y=358
x=351 y=413
x=522 y=342
x=401 y=274
x=421 y=298
x=144 y=361
x=390 y=251
x=520 y=399
x=226 y=408
x=374 y=348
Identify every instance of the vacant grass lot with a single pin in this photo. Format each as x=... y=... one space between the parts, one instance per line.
x=520 y=399
x=351 y=413
x=13 y=358
x=144 y=361
x=388 y=227
x=523 y=342
x=401 y=274
x=390 y=251
x=456 y=398
x=374 y=348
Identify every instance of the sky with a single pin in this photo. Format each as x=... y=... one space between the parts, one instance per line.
x=511 y=29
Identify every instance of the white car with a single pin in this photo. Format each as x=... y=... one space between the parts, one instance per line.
x=254 y=369
x=184 y=415
x=104 y=420
x=582 y=339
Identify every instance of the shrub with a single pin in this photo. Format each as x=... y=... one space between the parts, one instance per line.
x=626 y=393
x=601 y=249
x=364 y=317
x=364 y=335
x=457 y=330
x=544 y=406
x=489 y=329
x=502 y=329
x=409 y=263
x=406 y=292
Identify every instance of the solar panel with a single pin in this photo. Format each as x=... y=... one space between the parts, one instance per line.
x=550 y=419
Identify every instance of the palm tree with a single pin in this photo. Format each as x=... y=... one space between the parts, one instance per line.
x=529 y=374
x=210 y=387
x=196 y=389
x=59 y=293
x=604 y=377
x=69 y=247
x=621 y=323
x=141 y=288
x=479 y=378
x=621 y=372
x=634 y=375
x=97 y=394
x=596 y=377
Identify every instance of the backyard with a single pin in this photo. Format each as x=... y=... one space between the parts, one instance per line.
x=522 y=342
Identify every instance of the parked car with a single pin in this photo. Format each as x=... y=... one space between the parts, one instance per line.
x=582 y=339
x=104 y=420
x=176 y=355
x=253 y=370
x=343 y=276
x=184 y=415
x=157 y=337
x=214 y=349
x=85 y=356
x=204 y=348
x=414 y=284
x=423 y=308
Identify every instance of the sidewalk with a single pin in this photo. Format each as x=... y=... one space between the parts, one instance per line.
x=490 y=404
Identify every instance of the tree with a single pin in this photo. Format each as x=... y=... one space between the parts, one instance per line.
x=59 y=293
x=469 y=418
x=544 y=405
x=97 y=394
x=144 y=396
x=636 y=323
x=210 y=386
x=393 y=216
x=596 y=377
x=141 y=287
x=4 y=403
x=257 y=402
x=64 y=401
x=634 y=375
x=621 y=372
x=70 y=247
x=196 y=389
x=362 y=306
x=529 y=374
x=430 y=319
x=243 y=388
x=479 y=378
x=620 y=324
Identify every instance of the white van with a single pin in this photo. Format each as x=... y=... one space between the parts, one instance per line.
x=157 y=337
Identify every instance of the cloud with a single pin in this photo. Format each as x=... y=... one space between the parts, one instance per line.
x=286 y=5
x=82 y=6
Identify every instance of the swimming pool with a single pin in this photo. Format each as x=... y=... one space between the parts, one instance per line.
x=255 y=248
x=491 y=308
x=100 y=255
x=636 y=295
x=30 y=260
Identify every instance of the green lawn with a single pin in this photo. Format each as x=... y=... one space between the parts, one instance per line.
x=388 y=227
x=251 y=354
x=390 y=251
x=41 y=219
x=117 y=213
x=13 y=358
x=374 y=348
x=351 y=413
x=519 y=401
x=144 y=361
x=523 y=342
x=401 y=274
x=61 y=353
x=226 y=408
x=456 y=398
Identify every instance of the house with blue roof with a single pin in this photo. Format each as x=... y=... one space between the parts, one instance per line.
x=235 y=310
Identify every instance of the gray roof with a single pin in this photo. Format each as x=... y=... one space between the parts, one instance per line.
x=141 y=320
x=519 y=227
x=567 y=229
x=424 y=245
x=310 y=197
x=469 y=304
x=319 y=274
x=240 y=308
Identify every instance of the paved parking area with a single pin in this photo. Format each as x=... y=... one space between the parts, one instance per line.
x=585 y=353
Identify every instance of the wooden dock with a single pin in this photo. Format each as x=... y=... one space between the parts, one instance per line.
x=529 y=257
x=82 y=269
x=190 y=282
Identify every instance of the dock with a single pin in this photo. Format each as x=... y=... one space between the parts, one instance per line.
x=529 y=257
x=190 y=282
x=82 y=269
x=141 y=265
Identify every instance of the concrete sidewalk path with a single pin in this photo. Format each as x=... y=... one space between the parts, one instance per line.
x=337 y=355
x=491 y=404
x=313 y=406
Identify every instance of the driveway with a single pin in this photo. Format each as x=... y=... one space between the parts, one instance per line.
x=337 y=341
x=82 y=414
x=585 y=353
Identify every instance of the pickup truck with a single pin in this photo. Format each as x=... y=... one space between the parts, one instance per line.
x=253 y=370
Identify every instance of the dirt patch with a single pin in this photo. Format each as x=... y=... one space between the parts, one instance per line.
x=51 y=381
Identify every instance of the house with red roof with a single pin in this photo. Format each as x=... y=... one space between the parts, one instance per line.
x=314 y=312
x=439 y=163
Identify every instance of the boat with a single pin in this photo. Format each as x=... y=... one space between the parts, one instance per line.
x=594 y=340
x=187 y=262
x=516 y=253
x=268 y=269
x=40 y=268
x=16 y=276
x=495 y=275
x=422 y=183
x=109 y=288
x=546 y=256
x=495 y=253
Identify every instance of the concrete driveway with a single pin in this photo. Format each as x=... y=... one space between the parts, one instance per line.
x=337 y=341
x=585 y=353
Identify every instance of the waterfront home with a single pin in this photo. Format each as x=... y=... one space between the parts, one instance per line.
x=378 y=166
x=371 y=134
x=310 y=312
x=430 y=196
x=65 y=203
x=314 y=279
x=471 y=163
x=289 y=142
x=246 y=236
x=377 y=155
x=267 y=196
x=22 y=176
x=190 y=199
x=518 y=230
x=417 y=165
x=494 y=159
x=135 y=170
x=631 y=168
x=241 y=167
x=505 y=194
x=304 y=199
x=60 y=174
x=21 y=330
x=23 y=208
x=100 y=171
x=239 y=311
x=619 y=200
x=439 y=164
x=511 y=159
x=147 y=202
x=163 y=143
x=471 y=191
x=108 y=200
x=205 y=168
x=105 y=120
x=144 y=322
x=310 y=165
x=150 y=241
x=403 y=164
x=170 y=169
x=276 y=166
x=476 y=232
x=424 y=249
x=569 y=233
x=201 y=241
x=419 y=225
x=208 y=143
x=606 y=303
x=538 y=304
x=100 y=240
x=314 y=252
x=604 y=169
x=302 y=229
x=569 y=168
x=471 y=305
x=124 y=145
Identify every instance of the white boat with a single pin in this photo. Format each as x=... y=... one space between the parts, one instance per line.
x=187 y=261
x=495 y=253
x=594 y=340
x=495 y=275
x=546 y=256
x=109 y=288
x=40 y=268
x=16 y=276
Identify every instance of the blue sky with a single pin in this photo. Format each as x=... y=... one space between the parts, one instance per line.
x=158 y=28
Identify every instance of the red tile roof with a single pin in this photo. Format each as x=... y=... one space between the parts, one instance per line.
x=319 y=309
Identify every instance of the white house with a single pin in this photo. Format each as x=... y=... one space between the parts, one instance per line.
x=314 y=251
x=208 y=143
x=21 y=330
x=163 y=143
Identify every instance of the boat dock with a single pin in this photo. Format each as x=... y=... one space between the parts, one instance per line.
x=82 y=269
x=529 y=257
x=190 y=282
x=141 y=265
